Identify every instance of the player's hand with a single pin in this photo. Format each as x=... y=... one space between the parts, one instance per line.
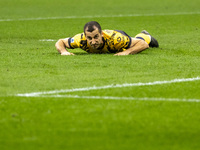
x=122 y=53
x=67 y=53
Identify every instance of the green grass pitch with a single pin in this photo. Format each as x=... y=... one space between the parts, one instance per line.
x=161 y=116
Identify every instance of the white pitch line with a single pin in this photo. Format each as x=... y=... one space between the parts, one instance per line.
x=124 y=98
x=109 y=86
x=47 y=40
x=101 y=16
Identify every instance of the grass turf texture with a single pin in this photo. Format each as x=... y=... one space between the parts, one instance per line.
x=29 y=65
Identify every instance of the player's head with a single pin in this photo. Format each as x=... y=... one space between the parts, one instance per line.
x=90 y=26
x=93 y=34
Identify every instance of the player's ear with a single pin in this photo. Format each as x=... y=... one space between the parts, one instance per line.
x=101 y=33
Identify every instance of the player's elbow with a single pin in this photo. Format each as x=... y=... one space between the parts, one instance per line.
x=58 y=43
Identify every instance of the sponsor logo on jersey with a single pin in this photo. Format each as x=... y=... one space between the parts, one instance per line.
x=72 y=40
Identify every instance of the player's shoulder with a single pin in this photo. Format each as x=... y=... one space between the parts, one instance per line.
x=80 y=36
x=108 y=32
x=77 y=41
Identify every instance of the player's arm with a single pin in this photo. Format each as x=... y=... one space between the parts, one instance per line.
x=62 y=46
x=137 y=46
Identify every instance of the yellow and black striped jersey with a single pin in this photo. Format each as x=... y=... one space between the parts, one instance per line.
x=113 y=41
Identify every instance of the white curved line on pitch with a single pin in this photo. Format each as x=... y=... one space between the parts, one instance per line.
x=101 y=16
x=123 y=98
x=109 y=86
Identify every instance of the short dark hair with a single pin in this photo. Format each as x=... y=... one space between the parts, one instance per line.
x=90 y=26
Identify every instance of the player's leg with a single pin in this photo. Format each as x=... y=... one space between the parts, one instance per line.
x=153 y=42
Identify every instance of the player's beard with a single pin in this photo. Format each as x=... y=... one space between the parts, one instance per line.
x=95 y=46
x=98 y=44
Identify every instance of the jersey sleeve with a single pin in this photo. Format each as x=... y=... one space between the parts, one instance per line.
x=76 y=41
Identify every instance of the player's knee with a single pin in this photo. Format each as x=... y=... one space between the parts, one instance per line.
x=144 y=44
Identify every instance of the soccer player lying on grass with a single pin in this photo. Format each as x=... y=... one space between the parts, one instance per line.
x=95 y=40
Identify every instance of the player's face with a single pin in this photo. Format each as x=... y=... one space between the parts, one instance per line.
x=94 y=38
